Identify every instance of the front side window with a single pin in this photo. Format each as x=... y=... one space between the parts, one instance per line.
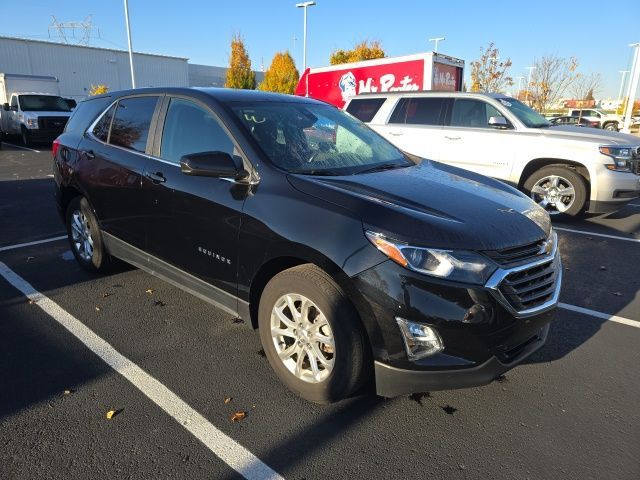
x=190 y=128
x=316 y=139
x=14 y=102
x=43 y=103
x=418 y=111
x=131 y=122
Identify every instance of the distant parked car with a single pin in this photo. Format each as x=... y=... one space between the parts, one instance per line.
x=575 y=121
x=606 y=121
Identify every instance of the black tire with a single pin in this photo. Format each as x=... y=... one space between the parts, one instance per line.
x=99 y=260
x=352 y=364
x=575 y=179
x=611 y=126
x=25 y=137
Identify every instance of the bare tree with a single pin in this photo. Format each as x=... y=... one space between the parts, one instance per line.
x=551 y=77
x=585 y=86
x=488 y=73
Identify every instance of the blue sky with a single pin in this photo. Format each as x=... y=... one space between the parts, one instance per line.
x=596 y=32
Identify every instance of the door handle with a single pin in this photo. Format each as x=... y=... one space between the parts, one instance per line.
x=451 y=138
x=157 y=177
x=89 y=154
x=396 y=134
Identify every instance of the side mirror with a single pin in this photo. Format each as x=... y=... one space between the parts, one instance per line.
x=5 y=107
x=212 y=164
x=498 y=122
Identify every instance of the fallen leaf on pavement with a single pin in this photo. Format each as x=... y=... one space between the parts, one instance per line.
x=30 y=258
x=105 y=295
x=238 y=416
x=228 y=399
x=98 y=309
x=110 y=414
x=617 y=294
x=149 y=291
x=69 y=391
x=159 y=303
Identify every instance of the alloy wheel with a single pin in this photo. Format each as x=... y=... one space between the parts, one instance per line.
x=303 y=338
x=554 y=193
x=81 y=235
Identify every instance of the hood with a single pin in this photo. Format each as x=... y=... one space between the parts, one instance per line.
x=435 y=205
x=595 y=135
x=39 y=113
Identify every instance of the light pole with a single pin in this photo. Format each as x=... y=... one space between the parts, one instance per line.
x=634 y=77
x=531 y=69
x=305 y=5
x=624 y=74
x=520 y=78
x=126 y=16
x=436 y=40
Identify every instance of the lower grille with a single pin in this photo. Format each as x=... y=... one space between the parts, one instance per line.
x=532 y=287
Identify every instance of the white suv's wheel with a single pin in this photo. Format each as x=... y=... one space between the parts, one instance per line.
x=557 y=190
x=312 y=336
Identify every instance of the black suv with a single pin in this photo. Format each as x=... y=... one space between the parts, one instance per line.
x=352 y=258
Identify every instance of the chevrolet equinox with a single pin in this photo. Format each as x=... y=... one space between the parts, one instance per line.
x=356 y=262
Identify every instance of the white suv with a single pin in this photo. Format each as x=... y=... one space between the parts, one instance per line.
x=606 y=121
x=565 y=169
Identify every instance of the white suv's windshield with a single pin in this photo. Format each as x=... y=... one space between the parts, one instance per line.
x=317 y=139
x=526 y=115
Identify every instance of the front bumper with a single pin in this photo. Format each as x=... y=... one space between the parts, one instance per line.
x=482 y=336
x=391 y=381
x=615 y=190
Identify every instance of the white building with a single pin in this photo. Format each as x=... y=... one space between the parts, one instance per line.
x=78 y=67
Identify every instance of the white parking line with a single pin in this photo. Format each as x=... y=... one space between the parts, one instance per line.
x=594 y=234
x=23 y=148
x=604 y=316
x=28 y=244
x=224 y=447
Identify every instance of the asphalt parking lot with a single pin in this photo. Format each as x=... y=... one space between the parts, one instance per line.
x=571 y=411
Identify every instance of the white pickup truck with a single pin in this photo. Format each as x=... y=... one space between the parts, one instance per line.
x=606 y=121
x=32 y=107
x=565 y=169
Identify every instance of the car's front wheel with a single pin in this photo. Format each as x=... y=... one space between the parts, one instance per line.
x=612 y=126
x=557 y=190
x=84 y=236
x=312 y=335
x=25 y=137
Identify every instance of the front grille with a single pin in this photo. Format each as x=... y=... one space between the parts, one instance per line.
x=514 y=256
x=532 y=287
x=55 y=124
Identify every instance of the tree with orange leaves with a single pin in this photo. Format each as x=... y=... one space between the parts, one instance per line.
x=362 y=51
x=281 y=76
x=239 y=74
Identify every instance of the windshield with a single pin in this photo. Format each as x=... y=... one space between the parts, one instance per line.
x=526 y=115
x=43 y=103
x=317 y=139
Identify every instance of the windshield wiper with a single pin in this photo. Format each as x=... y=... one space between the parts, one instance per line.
x=382 y=166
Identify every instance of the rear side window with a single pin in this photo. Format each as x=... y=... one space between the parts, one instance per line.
x=418 y=111
x=190 y=128
x=101 y=130
x=364 y=109
x=85 y=113
x=131 y=122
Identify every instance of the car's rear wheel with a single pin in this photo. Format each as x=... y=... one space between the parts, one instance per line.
x=312 y=335
x=84 y=236
x=557 y=190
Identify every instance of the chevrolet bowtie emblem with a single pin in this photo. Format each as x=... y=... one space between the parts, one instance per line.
x=547 y=247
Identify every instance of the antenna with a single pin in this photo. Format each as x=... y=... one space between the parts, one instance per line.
x=64 y=30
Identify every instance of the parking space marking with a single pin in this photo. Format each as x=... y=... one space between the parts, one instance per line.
x=604 y=316
x=28 y=244
x=23 y=148
x=224 y=447
x=594 y=234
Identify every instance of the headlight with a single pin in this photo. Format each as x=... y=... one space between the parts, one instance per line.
x=621 y=155
x=31 y=122
x=456 y=265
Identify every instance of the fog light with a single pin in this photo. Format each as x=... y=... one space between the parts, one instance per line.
x=419 y=340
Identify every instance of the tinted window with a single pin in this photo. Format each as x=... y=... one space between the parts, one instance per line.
x=131 y=122
x=190 y=128
x=86 y=113
x=365 y=109
x=14 y=102
x=418 y=111
x=43 y=103
x=101 y=130
x=472 y=113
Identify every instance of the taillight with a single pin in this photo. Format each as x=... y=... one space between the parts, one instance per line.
x=55 y=147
